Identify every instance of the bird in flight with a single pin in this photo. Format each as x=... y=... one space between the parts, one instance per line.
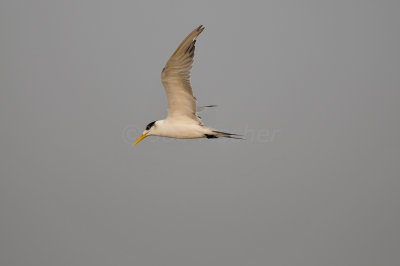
x=182 y=121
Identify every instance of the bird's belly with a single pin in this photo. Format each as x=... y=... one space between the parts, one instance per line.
x=183 y=131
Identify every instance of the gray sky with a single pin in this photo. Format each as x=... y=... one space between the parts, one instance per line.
x=314 y=86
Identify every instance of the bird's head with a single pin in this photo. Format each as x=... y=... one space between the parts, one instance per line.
x=147 y=132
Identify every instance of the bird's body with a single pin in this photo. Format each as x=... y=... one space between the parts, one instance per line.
x=182 y=121
x=174 y=129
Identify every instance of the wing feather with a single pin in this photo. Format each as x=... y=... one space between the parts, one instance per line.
x=176 y=80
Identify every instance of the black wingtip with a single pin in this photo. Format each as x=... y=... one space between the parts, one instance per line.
x=200 y=28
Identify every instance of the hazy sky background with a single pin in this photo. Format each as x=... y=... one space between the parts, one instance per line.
x=314 y=86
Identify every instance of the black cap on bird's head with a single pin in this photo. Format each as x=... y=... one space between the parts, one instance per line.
x=145 y=133
x=150 y=125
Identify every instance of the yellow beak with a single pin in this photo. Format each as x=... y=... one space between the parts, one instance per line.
x=139 y=139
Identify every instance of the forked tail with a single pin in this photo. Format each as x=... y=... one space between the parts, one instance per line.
x=218 y=134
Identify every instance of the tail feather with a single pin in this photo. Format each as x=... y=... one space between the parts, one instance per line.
x=219 y=134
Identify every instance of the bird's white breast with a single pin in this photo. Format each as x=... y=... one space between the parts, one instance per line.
x=172 y=129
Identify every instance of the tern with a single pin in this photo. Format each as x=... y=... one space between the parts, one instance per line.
x=182 y=121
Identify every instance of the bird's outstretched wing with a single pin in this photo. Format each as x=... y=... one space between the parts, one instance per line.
x=176 y=80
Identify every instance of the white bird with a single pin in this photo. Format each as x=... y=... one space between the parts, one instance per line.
x=182 y=121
